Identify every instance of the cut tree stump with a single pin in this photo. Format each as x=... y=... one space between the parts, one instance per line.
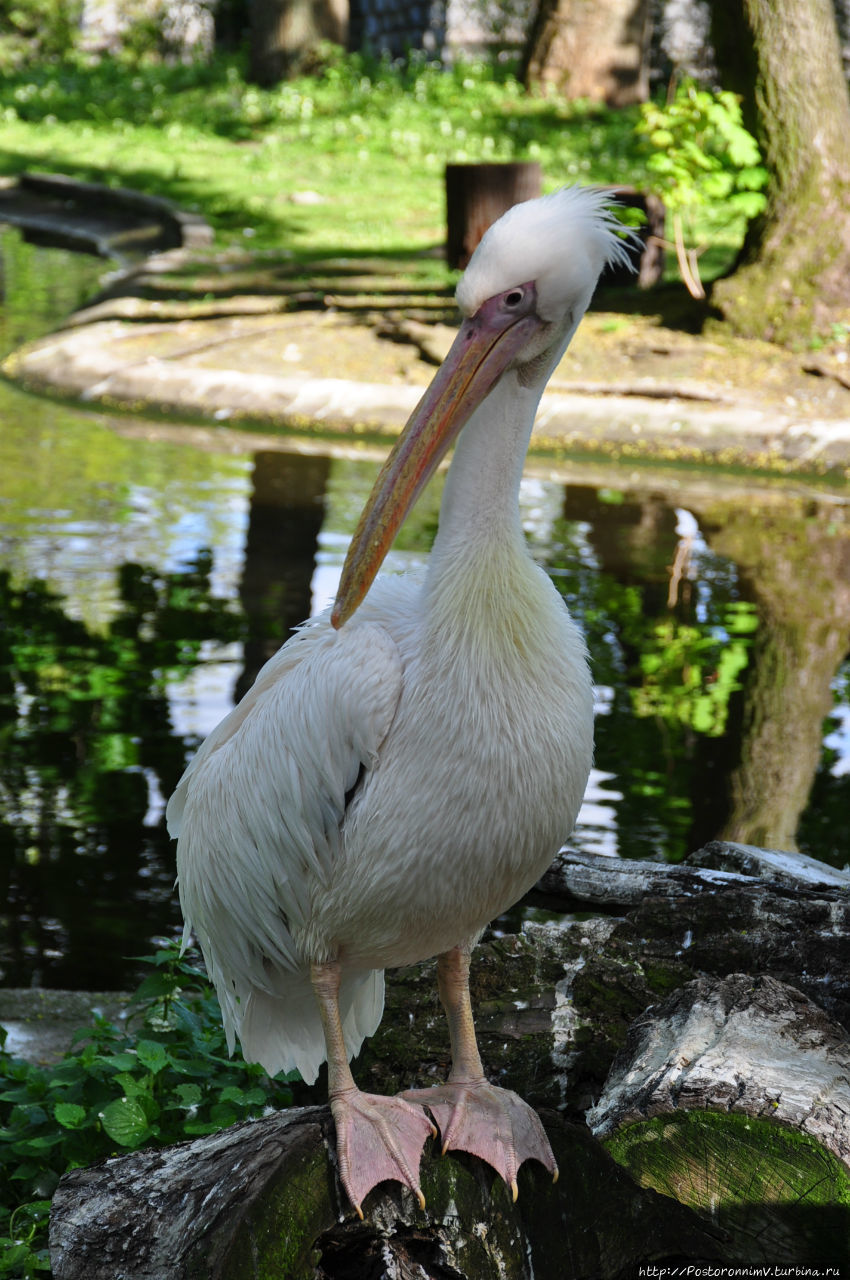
x=642 y=967
x=646 y=252
x=478 y=194
x=733 y=1097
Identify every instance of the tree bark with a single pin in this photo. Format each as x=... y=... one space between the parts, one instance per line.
x=262 y=1199
x=596 y=50
x=794 y=278
x=554 y=1005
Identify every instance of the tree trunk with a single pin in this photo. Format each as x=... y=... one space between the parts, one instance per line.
x=262 y=1199
x=553 y=1007
x=596 y=49
x=478 y=194
x=285 y=33
x=794 y=279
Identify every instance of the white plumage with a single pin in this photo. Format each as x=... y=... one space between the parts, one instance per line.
x=387 y=787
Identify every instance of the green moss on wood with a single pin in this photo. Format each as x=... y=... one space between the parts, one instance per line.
x=781 y=1195
x=278 y=1234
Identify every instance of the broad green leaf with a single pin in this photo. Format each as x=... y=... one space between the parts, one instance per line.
x=189 y=1095
x=231 y=1094
x=152 y=1055
x=121 y=1061
x=125 y=1122
x=70 y=1115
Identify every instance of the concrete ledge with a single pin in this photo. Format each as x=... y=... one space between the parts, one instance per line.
x=162 y=367
x=111 y=222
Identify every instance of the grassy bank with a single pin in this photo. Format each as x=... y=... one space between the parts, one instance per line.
x=350 y=159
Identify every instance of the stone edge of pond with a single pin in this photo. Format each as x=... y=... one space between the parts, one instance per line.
x=40 y=1023
x=112 y=222
x=86 y=364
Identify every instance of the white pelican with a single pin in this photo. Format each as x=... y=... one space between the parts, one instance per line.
x=395 y=780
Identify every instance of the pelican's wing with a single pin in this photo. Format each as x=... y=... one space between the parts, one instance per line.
x=259 y=809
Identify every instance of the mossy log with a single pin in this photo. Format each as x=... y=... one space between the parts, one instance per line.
x=261 y=1200
x=555 y=1003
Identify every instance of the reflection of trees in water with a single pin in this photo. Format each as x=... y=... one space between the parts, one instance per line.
x=720 y=671
x=659 y=653
x=287 y=510
x=86 y=735
x=718 y=657
x=794 y=558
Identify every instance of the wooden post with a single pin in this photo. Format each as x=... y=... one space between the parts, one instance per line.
x=478 y=194
x=647 y=255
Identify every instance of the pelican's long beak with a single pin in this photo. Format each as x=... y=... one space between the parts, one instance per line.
x=485 y=346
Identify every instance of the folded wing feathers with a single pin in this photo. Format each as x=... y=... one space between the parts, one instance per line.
x=259 y=813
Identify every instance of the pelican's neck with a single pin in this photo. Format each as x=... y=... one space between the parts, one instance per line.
x=479 y=514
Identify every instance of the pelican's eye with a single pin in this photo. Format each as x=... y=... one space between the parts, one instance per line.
x=514 y=299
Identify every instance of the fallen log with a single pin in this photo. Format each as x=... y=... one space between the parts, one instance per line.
x=787 y=915
x=555 y=1003
x=262 y=1199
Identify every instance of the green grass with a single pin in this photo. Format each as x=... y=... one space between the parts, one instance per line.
x=371 y=140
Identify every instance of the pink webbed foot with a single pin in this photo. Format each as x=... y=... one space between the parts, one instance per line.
x=378 y=1138
x=491 y=1123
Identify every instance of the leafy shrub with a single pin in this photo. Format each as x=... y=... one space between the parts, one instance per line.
x=700 y=155
x=163 y=1077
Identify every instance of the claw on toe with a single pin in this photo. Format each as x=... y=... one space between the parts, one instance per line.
x=378 y=1139
x=491 y=1123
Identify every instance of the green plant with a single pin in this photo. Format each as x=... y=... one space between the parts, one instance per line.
x=163 y=1077
x=700 y=155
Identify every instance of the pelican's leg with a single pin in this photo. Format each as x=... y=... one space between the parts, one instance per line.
x=376 y=1137
x=474 y=1115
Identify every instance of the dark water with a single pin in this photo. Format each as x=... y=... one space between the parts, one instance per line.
x=145 y=576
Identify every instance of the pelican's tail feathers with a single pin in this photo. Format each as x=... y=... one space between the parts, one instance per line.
x=282 y=1030
x=361 y=1007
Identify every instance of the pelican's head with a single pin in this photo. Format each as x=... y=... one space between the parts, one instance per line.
x=522 y=296
x=555 y=247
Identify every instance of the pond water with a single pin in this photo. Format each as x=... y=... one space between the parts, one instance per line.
x=147 y=571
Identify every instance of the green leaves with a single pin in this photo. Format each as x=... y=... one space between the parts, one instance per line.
x=164 y=1078
x=701 y=155
x=152 y=1055
x=69 y=1114
x=699 y=151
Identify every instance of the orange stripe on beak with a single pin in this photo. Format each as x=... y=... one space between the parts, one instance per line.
x=485 y=346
